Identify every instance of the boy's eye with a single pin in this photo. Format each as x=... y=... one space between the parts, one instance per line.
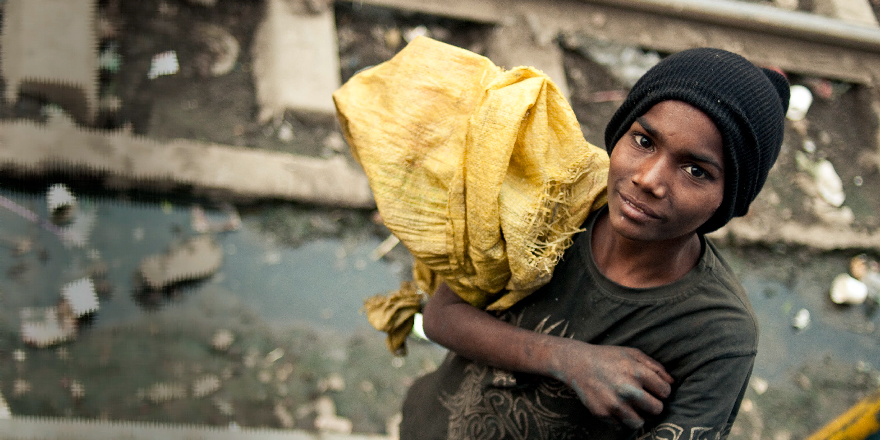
x=643 y=141
x=696 y=171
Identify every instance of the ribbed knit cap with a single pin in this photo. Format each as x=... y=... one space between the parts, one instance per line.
x=747 y=104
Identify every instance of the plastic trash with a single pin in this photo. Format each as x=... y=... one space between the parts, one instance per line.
x=164 y=63
x=61 y=203
x=799 y=102
x=848 y=290
x=829 y=184
x=866 y=270
x=81 y=297
x=801 y=319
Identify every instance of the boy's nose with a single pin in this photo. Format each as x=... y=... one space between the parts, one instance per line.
x=652 y=176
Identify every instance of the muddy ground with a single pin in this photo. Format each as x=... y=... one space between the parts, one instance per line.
x=161 y=365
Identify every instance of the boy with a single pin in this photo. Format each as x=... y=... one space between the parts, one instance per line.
x=643 y=331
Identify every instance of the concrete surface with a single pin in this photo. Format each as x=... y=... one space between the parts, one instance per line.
x=208 y=169
x=49 y=49
x=29 y=428
x=296 y=59
x=522 y=41
x=854 y=11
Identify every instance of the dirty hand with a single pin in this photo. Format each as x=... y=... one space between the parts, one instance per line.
x=615 y=383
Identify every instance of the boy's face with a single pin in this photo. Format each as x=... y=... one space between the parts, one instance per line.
x=666 y=176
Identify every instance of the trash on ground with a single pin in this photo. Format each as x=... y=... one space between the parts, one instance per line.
x=801 y=319
x=759 y=385
x=866 y=270
x=285 y=418
x=206 y=385
x=222 y=340
x=327 y=420
x=109 y=59
x=61 y=203
x=5 y=412
x=164 y=63
x=163 y=392
x=47 y=326
x=799 y=102
x=196 y=258
x=221 y=49
x=829 y=184
x=201 y=224
x=386 y=246
x=81 y=297
x=848 y=290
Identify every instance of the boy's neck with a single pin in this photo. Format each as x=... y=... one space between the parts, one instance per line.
x=642 y=264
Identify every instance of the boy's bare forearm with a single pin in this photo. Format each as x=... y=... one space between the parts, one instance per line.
x=476 y=335
x=619 y=383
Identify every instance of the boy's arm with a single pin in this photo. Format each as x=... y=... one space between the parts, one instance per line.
x=620 y=383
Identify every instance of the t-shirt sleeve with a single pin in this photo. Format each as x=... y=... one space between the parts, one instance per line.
x=705 y=404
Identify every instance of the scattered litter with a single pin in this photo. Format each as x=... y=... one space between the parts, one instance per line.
x=163 y=392
x=164 y=63
x=866 y=270
x=386 y=246
x=206 y=385
x=81 y=297
x=858 y=181
x=30 y=215
x=327 y=420
x=285 y=418
x=419 y=327
x=222 y=340
x=801 y=319
x=61 y=203
x=809 y=146
x=626 y=63
x=109 y=58
x=759 y=385
x=799 y=102
x=334 y=142
x=47 y=326
x=333 y=382
x=848 y=290
x=224 y=406
x=5 y=412
x=201 y=224
x=196 y=258
x=77 y=390
x=20 y=387
x=274 y=355
x=393 y=38
x=418 y=31
x=285 y=132
x=820 y=87
x=19 y=355
x=221 y=49
x=829 y=184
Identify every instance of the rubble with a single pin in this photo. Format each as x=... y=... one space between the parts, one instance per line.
x=47 y=326
x=196 y=258
x=61 y=203
x=164 y=63
x=81 y=297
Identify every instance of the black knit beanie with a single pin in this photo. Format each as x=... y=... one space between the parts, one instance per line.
x=747 y=104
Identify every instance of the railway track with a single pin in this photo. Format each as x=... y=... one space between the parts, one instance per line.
x=797 y=42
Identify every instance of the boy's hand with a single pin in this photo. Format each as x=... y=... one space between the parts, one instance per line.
x=618 y=383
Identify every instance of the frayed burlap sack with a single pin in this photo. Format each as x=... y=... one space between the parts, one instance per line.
x=482 y=173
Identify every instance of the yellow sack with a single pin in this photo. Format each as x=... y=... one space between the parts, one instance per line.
x=482 y=173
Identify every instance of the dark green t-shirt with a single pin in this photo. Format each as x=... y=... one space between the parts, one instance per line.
x=701 y=328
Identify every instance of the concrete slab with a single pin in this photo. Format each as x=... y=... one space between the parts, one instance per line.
x=852 y=11
x=126 y=161
x=523 y=41
x=49 y=48
x=296 y=59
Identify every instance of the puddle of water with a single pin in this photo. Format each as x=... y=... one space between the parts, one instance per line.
x=322 y=283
